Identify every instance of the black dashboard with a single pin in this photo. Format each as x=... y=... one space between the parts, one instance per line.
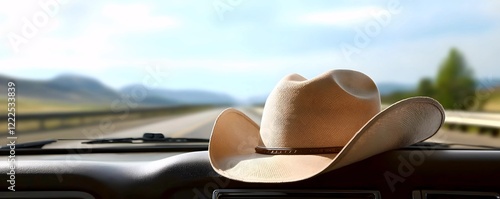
x=405 y=173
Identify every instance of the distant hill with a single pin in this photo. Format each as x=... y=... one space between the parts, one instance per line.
x=194 y=97
x=257 y=100
x=75 y=89
x=65 y=88
x=82 y=88
x=488 y=83
x=387 y=88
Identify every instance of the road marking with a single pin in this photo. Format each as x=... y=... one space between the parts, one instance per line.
x=182 y=132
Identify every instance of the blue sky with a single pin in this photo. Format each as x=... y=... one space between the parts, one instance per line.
x=244 y=47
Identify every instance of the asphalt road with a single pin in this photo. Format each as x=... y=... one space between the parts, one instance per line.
x=195 y=125
x=199 y=125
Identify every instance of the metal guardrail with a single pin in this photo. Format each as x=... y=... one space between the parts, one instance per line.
x=89 y=117
x=464 y=121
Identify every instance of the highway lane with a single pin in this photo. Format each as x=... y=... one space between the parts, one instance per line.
x=204 y=131
x=196 y=125
x=88 y=131
x=174 y=127
x=172 y=124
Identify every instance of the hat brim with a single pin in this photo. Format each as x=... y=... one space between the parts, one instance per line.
x=235 y=136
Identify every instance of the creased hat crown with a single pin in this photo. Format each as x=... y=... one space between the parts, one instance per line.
x=325 y=111
x=317 y=125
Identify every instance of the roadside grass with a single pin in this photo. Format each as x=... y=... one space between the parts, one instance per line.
x=60 y=123
x=26 y=106
x=493 y=103
x=33 y=106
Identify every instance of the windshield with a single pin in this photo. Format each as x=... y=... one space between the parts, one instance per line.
x=112 y=69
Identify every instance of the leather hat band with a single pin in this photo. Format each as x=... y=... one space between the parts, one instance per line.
x=296 y=151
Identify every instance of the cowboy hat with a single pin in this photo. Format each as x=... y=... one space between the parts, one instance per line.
x=317 y=125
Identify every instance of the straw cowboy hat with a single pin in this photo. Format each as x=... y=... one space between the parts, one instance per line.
x=313 y=126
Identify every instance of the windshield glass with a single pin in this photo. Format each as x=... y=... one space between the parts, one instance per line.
x=101 y=69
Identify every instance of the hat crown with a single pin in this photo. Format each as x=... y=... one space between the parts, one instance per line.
x=325 y=111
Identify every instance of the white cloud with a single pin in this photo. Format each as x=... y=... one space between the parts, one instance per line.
x=13 y=14
x=340 y=17
x=90 y=49
x=307 y=63
x=136 y=17
x=491 y=8
x=59 y=62
x=413 y=59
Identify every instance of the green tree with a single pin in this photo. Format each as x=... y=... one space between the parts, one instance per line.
x=455 y=84
x=426 y=88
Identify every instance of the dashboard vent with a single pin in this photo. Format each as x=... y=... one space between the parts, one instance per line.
x=293 y=194
x=434 y=194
